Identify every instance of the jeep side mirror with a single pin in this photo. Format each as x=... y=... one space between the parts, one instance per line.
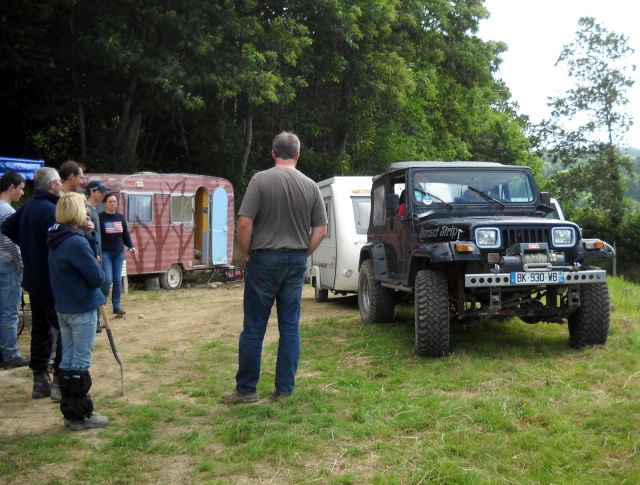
x=545 y=198
x=393 y=202
x=545 y=203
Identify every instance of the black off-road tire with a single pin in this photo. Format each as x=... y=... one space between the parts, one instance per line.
x=321 y=295
x=589 y=324
x=432 y=314
x=377 y=304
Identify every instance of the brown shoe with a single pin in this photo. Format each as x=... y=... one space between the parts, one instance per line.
x=236 y=398
x=118 y=311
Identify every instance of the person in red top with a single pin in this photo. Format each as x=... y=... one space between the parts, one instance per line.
x=114 y=235
x=402 y=208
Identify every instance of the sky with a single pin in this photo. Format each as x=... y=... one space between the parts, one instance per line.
x=536 y=32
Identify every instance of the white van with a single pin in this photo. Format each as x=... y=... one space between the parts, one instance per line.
x=334 y=265
x=557 y=212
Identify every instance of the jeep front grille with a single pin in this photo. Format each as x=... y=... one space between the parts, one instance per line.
x=517 y=235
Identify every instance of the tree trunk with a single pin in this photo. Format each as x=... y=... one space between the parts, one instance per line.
x=82 y=128
x=125 y=114
x=342 y=130
x=130 y=143
x=248 y=136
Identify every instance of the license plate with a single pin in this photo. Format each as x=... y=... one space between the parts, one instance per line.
x=536 y=277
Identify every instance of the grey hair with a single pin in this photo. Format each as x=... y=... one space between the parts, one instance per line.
x=286 y=145
x=44 y=177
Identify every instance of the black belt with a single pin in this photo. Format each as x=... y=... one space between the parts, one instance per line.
x=281 y=250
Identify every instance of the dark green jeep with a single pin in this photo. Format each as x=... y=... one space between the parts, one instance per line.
x=470 y=241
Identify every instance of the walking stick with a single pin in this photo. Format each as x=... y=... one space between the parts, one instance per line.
x=103 y=312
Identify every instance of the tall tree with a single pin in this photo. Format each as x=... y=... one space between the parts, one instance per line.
x=589 y=123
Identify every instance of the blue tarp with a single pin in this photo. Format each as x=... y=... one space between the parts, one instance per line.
x=24 y=166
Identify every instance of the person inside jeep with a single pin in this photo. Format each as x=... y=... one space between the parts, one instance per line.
x=402 y=208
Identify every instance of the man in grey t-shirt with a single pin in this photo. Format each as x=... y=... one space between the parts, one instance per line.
x=281 y=221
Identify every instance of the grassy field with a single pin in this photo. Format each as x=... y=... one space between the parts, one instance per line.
x=511 y=404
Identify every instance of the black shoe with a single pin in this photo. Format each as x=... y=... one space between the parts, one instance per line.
x=99 y=327
x=41 y=385
x=278 y=396
x=118 y=311
x=19 y=361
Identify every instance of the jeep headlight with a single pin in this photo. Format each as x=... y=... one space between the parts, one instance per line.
x=563 y=236
x=488 y=237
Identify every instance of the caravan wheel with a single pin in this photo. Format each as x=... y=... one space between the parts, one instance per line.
x=172 y=279
x=321 y=295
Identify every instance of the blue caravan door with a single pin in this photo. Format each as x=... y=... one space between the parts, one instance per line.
x=219 y=228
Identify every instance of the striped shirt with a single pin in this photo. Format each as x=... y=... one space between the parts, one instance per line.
x=9 y=252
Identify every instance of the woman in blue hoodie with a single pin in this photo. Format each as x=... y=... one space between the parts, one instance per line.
x=76 y=278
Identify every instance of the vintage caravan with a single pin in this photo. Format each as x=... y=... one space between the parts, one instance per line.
x=334 y=265
x=178 y=222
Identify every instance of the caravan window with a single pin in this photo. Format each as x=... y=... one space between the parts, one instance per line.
x=327 y=208
x=139 y=207
x=361 y=213
x=181 y=209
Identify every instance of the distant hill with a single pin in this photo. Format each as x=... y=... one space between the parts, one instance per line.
x=634 y=185
x=634 y=153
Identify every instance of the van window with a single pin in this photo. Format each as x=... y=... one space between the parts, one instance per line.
x=139 y=208
x=361 y=213
x=327 y=208
x=181 y=209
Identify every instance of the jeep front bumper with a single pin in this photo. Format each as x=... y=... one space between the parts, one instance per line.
x=535 y=278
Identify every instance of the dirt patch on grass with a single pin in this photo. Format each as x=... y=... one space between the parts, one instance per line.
x=157 y=323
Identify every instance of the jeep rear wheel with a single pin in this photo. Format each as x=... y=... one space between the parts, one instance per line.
x=432 y=314
x=376 y=303
x=589 y=324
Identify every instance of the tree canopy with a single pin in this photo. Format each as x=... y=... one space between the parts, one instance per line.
x=201 y=86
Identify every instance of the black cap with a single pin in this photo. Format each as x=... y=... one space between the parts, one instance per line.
x=96 y=185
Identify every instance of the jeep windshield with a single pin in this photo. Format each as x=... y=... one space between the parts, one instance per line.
x=469 y=187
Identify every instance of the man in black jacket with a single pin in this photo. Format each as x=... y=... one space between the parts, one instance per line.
x=28 y=228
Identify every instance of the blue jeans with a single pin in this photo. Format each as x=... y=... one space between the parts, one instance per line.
x=10 y=291
x=77 y=332
x=112 y=266
x=271 y=276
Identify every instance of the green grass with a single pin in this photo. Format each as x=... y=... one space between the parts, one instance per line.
x=513 y=403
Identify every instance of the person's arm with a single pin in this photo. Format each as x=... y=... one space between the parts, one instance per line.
x=245 y=230
x=13 y=250
x=126 y=237
x=11 y=227
x=85 y=262
x=317 y=235
x=10 y=247
x=94 y=243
